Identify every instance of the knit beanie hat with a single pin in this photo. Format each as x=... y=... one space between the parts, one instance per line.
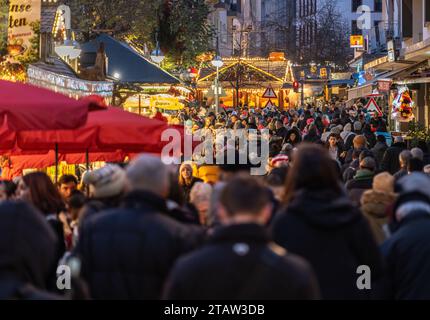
x=347 y=128
x=106 y=182
x=335 y=130
x=357 y=126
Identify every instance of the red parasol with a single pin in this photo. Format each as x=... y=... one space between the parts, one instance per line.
x=109 y=130
x=26 y=107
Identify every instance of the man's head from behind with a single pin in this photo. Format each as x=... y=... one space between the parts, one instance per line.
x=381 y=138
x=66 y=185
x=244 y=200
x=148 y=173
x=368 y=163
x=417 y=153
x=359 y=142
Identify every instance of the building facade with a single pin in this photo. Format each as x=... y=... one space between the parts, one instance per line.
x=237 y=25
x=405 y=61
x=306 y=26
x=278 y=23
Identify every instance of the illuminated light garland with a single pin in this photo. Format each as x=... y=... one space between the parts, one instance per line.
x=65 y=84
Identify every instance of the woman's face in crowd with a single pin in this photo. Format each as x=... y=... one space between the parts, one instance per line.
x=332 y=141
x=22 y=191
x=186 y=172
x=293 y=137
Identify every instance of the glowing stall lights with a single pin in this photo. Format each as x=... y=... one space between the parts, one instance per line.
x=67 y=85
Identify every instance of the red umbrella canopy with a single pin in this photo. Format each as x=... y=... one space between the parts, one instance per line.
x=129 y=132
x=26 y=107
x=106 y=131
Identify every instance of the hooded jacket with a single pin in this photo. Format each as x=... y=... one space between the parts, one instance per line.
x=378 y=151
x=241 y=262
x=407 y=251
x=127 y=252
x=27 y=253
x=390 y=161
x=325 y=229
x=374 y=206
x=362 y=181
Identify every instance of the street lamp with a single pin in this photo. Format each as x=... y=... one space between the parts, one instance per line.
x=157 y=55
x=217 y=63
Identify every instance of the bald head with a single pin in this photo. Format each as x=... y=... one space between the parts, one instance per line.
x=148 y=173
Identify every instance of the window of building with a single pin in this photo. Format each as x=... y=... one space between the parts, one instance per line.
x=378 y=6
x=300 y=8
x=356 y=4
x=354 y=28
x=377 y=34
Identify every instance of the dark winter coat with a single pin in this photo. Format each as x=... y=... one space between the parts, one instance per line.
x=400 y=174
x=325 y=229
x=186 y=188
x=240 y=262
x=58 y=228
x=128 y=252
x=378 y=151
x=282 y=133
x=362 y=181
x=407 y=253
x=370 y=138
x=390 y=161
x=350 y=171
x=349 y=142
x=28 y=249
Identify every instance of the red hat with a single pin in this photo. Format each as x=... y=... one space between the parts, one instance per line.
x=280 y=157
x=309 y=121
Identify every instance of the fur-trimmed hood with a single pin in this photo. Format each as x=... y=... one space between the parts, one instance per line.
x=375 y=203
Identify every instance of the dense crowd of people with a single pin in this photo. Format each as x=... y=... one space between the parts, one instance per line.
x=339 y=192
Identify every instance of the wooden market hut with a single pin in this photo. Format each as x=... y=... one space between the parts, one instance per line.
x=245 y=80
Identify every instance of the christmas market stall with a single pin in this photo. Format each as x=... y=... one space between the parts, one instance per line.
x=140 y=85
x=255 y=82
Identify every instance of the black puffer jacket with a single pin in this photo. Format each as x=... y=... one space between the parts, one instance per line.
x=240 y=262
x=325 y=229
x=27 y=253
x=128 y=252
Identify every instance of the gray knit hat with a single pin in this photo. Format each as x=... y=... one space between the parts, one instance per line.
x=106 y=182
